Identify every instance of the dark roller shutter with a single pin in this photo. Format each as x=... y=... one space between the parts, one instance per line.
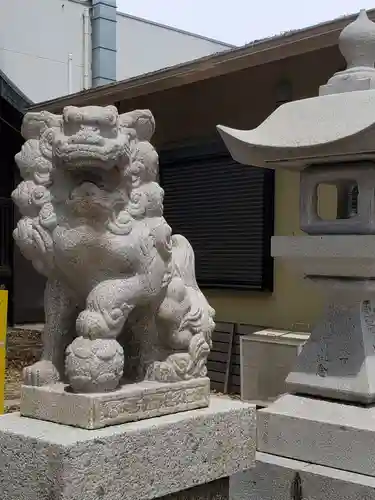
x=225 y=210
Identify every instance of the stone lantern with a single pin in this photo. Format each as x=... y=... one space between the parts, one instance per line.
x=328 y=139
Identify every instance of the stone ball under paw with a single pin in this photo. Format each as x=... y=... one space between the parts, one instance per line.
x=94 y=365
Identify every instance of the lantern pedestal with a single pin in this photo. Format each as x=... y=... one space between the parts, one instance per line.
x=319 y=431
x=326 y=424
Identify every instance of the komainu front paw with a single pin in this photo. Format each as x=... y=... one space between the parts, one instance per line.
x=40 y=373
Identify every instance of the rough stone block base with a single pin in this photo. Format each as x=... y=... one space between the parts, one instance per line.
x=129 y=403
x=141 y=460
x=277 y=478
x=322 y=432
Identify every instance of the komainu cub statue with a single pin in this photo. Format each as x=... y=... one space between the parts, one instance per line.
x=121 y=303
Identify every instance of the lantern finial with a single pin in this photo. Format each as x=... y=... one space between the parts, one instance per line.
x=357 y=45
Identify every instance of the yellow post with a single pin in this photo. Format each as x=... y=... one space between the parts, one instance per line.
x=3 y=334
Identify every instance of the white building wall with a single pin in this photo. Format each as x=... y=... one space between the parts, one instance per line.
x=37 y=36
x=143 y=47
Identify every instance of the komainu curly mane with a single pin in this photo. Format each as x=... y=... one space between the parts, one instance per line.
x=118 y=281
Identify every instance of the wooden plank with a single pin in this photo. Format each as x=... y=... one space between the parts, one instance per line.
x=224 y=346
x=224 y=337
x=229 y=360
x=220 y=347
x=217 y=377
x=217 y=386
x=224 y=327
x=224 y=359
x=220 y=377
x=221 y=356
x=217 y=366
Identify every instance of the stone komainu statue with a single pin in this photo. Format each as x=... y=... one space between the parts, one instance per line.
x=121 y=301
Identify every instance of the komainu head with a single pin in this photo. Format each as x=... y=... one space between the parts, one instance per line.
x=88 y=163
x=90 y=139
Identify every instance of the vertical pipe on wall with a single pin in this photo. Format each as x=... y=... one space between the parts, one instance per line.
x=70 y=73
x=103 y=24
x=86 y=49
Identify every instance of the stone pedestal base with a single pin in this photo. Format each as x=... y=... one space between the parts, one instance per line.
x=130 y=403
x=338 y=359
x=138 y=461
x=326 y=433
x=277 y=478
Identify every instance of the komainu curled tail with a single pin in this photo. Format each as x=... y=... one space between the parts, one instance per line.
x=185 y=321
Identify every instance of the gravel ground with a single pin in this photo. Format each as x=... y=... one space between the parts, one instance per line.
x=23 y=349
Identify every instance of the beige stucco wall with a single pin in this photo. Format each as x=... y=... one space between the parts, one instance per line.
x=243 y=100
x=294 y=304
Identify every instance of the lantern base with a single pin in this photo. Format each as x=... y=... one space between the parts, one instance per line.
x=321 y=432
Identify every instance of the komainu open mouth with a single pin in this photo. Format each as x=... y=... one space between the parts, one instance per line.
x=109 y=180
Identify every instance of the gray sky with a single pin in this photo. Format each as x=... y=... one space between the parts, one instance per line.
x=241 y=21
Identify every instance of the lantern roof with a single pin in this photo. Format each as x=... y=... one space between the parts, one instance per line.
x=338 y=125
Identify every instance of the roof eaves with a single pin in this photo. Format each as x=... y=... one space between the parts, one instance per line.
x=260 y=51
x=13 y=95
